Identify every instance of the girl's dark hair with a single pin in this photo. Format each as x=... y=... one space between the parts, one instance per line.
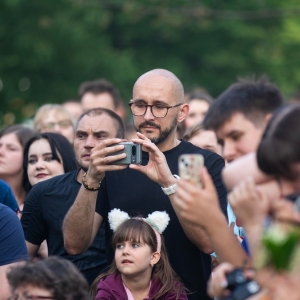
x=23 y=133
x=280 y=144
x=55 y=274
x=140 y=231
x=59 y=145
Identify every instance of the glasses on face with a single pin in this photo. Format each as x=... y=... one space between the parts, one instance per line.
x=64 y=124
x=157 y=110
x=29 y=297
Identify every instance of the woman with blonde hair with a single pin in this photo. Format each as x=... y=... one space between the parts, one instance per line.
x=55 y=118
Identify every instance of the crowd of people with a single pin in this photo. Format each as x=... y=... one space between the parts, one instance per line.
x=76 y=224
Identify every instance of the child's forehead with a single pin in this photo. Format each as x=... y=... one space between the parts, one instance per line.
x=133 y=239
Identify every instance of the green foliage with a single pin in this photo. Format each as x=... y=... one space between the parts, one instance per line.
x=49 y=47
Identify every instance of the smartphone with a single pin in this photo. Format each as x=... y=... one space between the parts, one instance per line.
x=189 y=167
x=133 y=154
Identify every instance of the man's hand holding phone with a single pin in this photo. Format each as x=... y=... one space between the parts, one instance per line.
x=197 y=204
x=102 y=160
x=157 y=168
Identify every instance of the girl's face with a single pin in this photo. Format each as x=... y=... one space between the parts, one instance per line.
x=11 y=155
x=41 y=164
x=135 y=258
x=59 y=123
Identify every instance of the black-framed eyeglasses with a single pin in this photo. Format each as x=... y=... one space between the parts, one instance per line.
x=157 y=110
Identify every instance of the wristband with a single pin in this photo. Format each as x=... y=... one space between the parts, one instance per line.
x=87 y=186
x=171 y=189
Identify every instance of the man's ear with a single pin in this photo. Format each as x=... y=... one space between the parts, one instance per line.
x=155 y=258
x=120 y=110
x=267 y=119
x=184 y=110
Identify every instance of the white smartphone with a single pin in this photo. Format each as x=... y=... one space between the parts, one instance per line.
x=189 y=167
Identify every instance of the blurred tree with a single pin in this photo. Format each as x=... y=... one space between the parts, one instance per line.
x=47 y=48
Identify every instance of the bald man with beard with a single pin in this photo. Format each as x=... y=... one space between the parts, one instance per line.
x=157 y=106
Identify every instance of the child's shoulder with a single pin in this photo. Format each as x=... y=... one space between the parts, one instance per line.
x=111 y=287
x=156 y=285
x=110 y=279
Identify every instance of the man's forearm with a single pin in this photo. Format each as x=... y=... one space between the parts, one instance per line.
x=78 y=223
x=225 y=243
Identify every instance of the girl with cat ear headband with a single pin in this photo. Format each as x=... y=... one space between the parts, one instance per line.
x=140 y=269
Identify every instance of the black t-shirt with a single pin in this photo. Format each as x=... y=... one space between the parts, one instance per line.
x=134 y=193
x=44 y=210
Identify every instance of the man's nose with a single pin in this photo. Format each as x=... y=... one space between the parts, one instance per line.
x=148 y=114
x=229 y=151
x=90 y=142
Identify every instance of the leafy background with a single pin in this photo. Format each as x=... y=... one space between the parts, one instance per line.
x=47 y=48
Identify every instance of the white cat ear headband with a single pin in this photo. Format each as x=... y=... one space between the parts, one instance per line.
x=158 y=220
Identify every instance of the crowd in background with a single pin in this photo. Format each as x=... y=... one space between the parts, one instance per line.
x=58 y=186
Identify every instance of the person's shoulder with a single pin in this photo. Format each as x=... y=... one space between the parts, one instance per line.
x=112 y=287
x=4 y=186
x=8 y=219
x=4 y=189
x=112 y=278
x=187 y=147
x=56 y=181
x=6 y=212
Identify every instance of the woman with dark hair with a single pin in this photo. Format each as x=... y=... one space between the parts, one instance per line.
x=12 y=143
x=52 y=278
x=46 y=155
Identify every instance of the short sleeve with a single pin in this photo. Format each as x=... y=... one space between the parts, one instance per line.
x=12 y=241
x=7 y=197
x=32 y=218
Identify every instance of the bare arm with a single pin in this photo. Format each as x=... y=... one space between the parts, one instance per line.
x=242 y=168
x=201 y=207
x=82 y=223
x=32 y=249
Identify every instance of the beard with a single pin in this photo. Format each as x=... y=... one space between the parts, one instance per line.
x=163 y=134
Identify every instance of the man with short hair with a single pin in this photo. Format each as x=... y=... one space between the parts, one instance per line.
x=157 y=107
x=240 y=114
x=101 y=93
x=48 y=201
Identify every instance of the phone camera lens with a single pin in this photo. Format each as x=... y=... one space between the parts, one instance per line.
x=133 y=150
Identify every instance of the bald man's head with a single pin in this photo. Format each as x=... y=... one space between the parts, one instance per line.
x=177 y=87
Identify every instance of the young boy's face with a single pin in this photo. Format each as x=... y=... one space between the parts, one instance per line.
x=239 y=136
x=32 y=292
